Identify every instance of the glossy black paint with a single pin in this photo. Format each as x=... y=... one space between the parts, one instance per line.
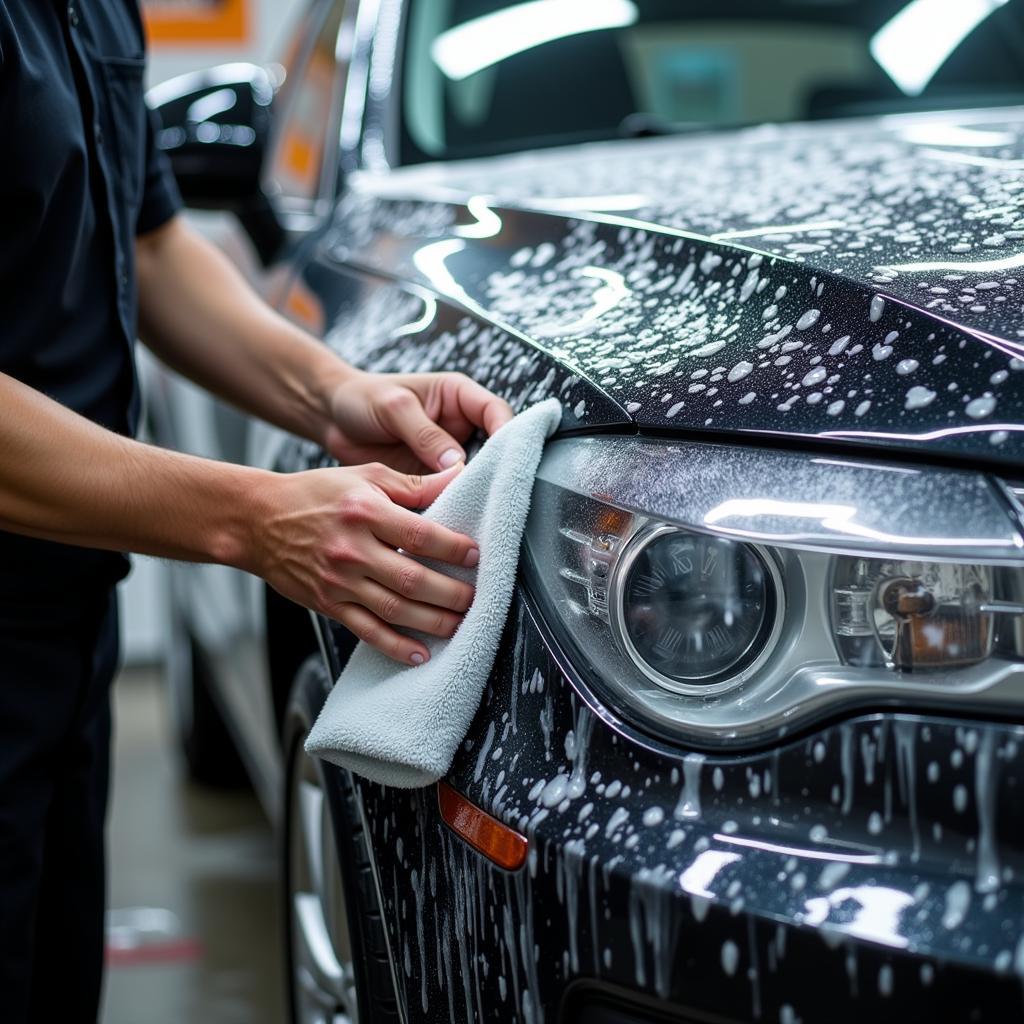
x=703 y=333
x=215 y=132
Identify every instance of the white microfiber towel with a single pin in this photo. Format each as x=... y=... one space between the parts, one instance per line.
x=402 y=725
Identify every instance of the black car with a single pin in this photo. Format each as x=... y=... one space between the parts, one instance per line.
x=752 y=747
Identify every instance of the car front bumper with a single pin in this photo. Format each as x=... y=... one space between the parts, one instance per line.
x=870 y=868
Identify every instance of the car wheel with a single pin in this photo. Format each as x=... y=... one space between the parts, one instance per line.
x=210 y=754
x=337 y=959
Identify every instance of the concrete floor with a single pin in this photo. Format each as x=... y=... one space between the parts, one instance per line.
x=193 y=928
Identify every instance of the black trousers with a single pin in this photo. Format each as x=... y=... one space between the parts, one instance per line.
x=56 y=665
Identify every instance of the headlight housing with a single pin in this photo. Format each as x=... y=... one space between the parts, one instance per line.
x=723 y=596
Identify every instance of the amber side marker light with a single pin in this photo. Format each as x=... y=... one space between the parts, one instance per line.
x=496 y=841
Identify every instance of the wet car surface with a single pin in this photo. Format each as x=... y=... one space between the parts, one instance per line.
x=866 y=866
x=884 y=324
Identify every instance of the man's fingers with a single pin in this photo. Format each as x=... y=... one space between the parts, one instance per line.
x=409 y=490
x=416 y=582
x=399 y=611
x=403 y=415
x=379 y=635
x=480 y=406
x=411 y=532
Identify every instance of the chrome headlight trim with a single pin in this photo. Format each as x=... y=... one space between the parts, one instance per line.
x=599 y=500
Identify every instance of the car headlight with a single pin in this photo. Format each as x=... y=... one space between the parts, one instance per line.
x=693 y=611
x=725 y=595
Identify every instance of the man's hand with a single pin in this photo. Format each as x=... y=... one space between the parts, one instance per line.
x=409 y=421
x=327 y=539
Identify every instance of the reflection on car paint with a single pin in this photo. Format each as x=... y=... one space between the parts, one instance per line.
x=705 y=333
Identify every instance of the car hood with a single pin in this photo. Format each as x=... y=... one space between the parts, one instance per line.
x=857 y=281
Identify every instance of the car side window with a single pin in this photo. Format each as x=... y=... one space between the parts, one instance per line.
x=303 y=153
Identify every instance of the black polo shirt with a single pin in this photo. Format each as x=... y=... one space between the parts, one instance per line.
x=80 y=177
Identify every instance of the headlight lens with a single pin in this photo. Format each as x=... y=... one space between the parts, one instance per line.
x=724 y=596
x=692 y=610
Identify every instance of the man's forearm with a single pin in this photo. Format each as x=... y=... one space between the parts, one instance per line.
x=64 y=478
x=202 y=318
x=326 y=538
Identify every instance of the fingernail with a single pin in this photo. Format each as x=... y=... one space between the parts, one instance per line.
x=416 y=658
x=449 y=458
x=471 y=558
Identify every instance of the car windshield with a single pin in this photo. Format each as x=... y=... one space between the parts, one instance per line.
x=483 y=77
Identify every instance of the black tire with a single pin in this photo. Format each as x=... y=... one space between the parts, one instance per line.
x=374 y=993
x=208 y=748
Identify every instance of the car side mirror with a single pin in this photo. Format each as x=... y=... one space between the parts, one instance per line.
x=215 y=129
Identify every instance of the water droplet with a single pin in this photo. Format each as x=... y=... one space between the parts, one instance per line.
x=739 y=371
x=730 y=956
x=809 y=319
x=885 y=980
x=653 y=816
x=918 y=397
x=709 y=349
x=960 y=798
x=958 y=899
x=815 y=376
x=979 y=408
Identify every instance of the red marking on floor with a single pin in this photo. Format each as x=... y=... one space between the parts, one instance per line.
x=173 y=951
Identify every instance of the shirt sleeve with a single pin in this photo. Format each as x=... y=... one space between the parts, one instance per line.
x=161 y=199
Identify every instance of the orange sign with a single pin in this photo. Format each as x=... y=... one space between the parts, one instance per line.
x=196 y=22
